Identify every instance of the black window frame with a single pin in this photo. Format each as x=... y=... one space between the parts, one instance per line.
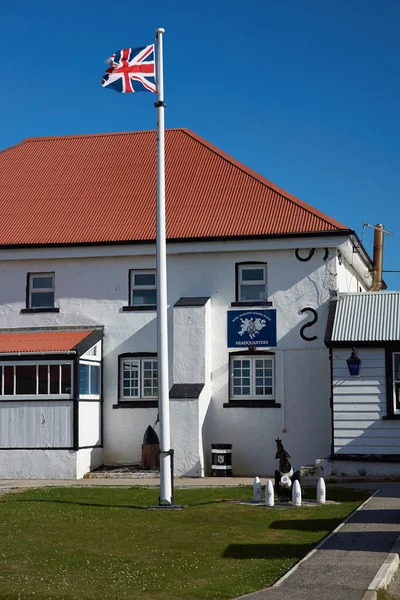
x=139 y=307
x=140 y=402
x=392 y=386
x=253 y=402
x=28 y=301
x=36 y=362
x=238 y=301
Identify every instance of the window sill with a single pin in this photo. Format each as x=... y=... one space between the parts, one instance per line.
x=139 y=308
x=136 y=404
x=391 y=418
x=38 y=398
x=251 y=404
x=244 y=304
x=39 y=310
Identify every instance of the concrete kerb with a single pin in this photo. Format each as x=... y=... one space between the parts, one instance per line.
x=385 y=574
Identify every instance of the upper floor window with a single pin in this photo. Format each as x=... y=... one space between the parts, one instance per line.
x=252 y=282
x=138 y=378
x=143 y=290
x=40 y=290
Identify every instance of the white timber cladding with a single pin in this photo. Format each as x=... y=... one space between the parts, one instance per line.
x=35 y=424
x=359 y=403
x=91 y=289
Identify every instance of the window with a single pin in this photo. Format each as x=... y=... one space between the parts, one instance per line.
x=36 y=379
x=89 y=379
x=138 y=378
x=41 y=290
x=252 y=282
x=396 y=381
x=143 y=291
x=252 y=377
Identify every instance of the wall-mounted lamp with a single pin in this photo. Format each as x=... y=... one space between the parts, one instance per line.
x=354 y=363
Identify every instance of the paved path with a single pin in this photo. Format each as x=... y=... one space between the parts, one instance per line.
x=344 y=567
x=181 y=482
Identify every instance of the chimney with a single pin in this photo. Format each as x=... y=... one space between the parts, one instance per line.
x=377 y=283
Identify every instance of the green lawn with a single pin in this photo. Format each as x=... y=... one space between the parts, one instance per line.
x=101 y=543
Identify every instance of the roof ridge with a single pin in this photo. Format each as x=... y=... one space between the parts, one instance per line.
x=90 y=135
x=266 y=181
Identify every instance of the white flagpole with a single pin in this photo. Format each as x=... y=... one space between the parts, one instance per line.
x=162 y=325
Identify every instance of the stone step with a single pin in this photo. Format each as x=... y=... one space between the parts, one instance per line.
x=121 y=472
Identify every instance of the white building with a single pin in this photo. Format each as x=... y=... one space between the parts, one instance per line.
x=78 y=351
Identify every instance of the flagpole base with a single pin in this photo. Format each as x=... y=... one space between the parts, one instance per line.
x=168 y=506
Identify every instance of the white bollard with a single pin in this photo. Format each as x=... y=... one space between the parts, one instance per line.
x=269 y=494
x=296 y=493
x=257 y=495
x=321 y=491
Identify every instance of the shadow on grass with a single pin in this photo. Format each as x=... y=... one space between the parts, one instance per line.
x=99 y=505
x=306 y=525
x=75 y=503
x=266 y=551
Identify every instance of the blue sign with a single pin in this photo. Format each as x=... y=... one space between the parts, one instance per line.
x=251 y=328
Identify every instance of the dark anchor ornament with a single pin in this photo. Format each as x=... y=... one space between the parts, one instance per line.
x=284 y=477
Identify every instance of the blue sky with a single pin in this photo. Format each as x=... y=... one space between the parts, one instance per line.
x=305 y=92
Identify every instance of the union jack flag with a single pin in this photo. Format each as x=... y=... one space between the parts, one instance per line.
x=131 y=70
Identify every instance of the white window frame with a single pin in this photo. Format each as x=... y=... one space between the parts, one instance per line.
x=32 y=290
x=134 y=272
x=396 y=383
x=252 y=395
x=93 y=354
x=36 y=363
x=140 y=361
x=240 y=282
x=91 y=363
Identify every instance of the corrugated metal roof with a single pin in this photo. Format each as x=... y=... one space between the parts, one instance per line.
x=41 y=341
x=102 y=188
x=367 y=317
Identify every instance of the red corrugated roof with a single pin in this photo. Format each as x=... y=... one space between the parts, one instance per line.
x=41 y=341
x=102 y=188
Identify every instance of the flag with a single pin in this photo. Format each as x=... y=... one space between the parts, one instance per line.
x=131 y=70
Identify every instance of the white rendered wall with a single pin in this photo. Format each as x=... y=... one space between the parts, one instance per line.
x=359 y=403
x=363 y=468
x=37 y=464
x=88 y=459
x=186 y=439
x=205 y=396
x=189 y=324
x=302 y=422
x=348 y=279
x=92 y=291
x=191 y=364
